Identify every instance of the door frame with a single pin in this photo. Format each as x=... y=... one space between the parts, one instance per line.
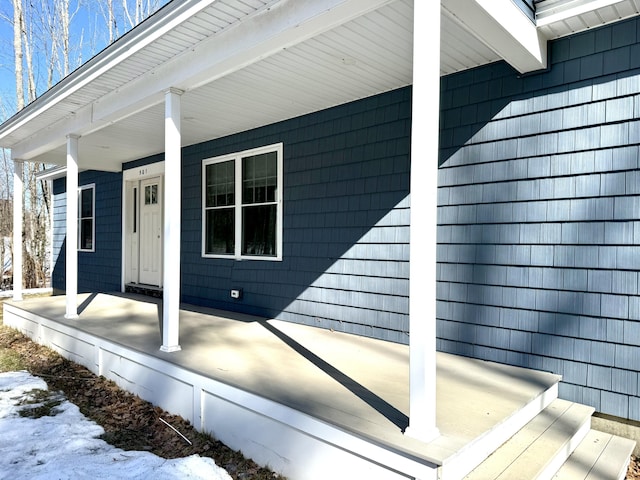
x=130 y=178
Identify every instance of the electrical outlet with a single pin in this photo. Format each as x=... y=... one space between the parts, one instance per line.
x=236 y=293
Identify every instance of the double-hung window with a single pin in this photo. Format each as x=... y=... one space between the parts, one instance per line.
x=242 y=205
x=86 y=218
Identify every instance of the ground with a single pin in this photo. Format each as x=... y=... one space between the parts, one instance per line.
x=129 y=422
x=634 y=469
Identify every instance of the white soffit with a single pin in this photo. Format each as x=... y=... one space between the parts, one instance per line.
x=459 y=49
x=367 y=50
x=559 y=18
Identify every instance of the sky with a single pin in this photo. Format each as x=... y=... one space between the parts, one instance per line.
x=66 y=446
x=88 y=36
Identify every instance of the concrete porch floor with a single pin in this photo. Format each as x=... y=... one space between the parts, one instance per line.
x=357 y=384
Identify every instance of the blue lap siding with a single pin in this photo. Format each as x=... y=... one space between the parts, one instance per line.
x=539 y=206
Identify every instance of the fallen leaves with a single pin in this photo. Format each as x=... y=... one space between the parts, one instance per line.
x=634 y=469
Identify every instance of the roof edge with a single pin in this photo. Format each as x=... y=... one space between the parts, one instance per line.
x=174 y=12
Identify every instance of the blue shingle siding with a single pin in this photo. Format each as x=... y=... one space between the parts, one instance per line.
x=98 y=271
x=539 y=217
x=346 y=222
x=59 y=202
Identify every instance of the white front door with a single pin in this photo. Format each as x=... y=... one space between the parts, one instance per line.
x=151 y=231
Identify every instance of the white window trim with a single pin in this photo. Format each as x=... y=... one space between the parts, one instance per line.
x=91 y=186
x=237 y=156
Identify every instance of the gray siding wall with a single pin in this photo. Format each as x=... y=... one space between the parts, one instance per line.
x=539 y=217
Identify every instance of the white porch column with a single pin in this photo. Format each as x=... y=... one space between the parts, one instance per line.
x=172 y=215
x=16 y=262
x=72 y=228
x=424 y=183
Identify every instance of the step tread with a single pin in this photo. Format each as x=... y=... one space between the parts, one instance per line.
x=541 y=446
x=600 y=456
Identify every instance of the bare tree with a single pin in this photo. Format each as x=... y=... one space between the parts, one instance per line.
x=31 y=81
x=18 y=20
x=62 y=9
x=47 y=46
x=141 y=10
x=35 y=224
x=111 y=23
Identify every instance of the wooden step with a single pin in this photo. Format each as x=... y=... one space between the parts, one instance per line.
x=481 y=405
x=600 y=456
x=540 y=448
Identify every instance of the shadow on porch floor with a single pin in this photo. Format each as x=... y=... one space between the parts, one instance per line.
x=357 y=384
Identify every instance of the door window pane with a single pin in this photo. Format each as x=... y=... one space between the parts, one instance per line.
x=151 y=194
x=135 y=210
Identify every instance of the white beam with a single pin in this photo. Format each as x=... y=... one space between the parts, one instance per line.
x=424 y=201
x=54 y=135
x=72 y=228
x=504 y=28
x=172 y=214
x=18 y=188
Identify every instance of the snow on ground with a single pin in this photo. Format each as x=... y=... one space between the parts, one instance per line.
x=65 y=446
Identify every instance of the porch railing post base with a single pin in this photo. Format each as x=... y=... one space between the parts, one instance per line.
x=170 y=348
x=425 y=436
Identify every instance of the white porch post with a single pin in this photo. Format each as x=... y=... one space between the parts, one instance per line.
x=424 y=184
x=72 y=228
x=172 y=215
x=17 y=229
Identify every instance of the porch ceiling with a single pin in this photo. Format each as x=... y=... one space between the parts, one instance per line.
x=239 y=67
x=246 y=63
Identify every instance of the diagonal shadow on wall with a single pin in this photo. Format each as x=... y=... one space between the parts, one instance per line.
x=534 y=210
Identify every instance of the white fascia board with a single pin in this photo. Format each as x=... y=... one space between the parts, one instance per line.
x=549 y=11
x=504 y=28
x=167 y=18
x=52 y=173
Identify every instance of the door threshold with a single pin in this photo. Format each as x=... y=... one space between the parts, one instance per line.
x=144 y=289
